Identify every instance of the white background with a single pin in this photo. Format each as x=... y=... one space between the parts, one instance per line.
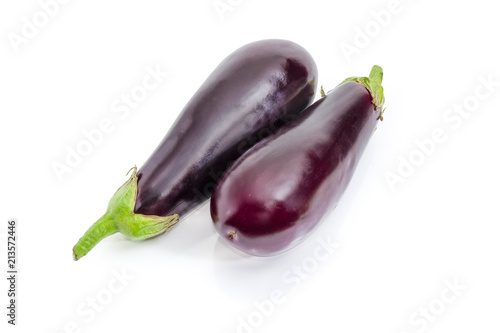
x=398 y=246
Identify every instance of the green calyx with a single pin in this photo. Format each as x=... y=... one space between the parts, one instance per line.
x=374 y=84
x=120 y=217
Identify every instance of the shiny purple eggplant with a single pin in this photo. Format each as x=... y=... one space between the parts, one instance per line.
x=254 y=91
x=273 y=197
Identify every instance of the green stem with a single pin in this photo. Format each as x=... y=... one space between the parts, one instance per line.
x=374 y=84
x=120 y=217
x=376 y=76
x=101 y=229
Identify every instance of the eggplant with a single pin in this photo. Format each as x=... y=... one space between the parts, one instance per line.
x=273 y=197
x=254 y=91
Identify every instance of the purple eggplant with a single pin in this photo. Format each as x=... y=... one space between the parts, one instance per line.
x=276 y=193
x=250 y=95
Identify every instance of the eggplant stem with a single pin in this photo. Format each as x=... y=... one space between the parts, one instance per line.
x=322 y=92
x=120 y=217
x=376 y=76
x=132 y=168
x=101 y=229
x=374 y=85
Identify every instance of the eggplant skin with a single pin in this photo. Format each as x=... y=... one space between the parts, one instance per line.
x=250 y=95
x=276 y=193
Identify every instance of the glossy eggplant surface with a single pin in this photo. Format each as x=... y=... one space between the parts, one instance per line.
x=251 y=94
x=274 y=195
